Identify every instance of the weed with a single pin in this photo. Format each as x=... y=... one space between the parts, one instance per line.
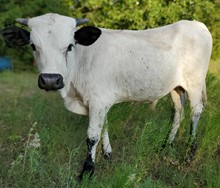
x=43 y=145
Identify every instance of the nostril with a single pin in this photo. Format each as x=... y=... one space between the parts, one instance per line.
x=41 y=82
x=58 y=82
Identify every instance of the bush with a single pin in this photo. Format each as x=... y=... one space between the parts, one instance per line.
x=114 y=14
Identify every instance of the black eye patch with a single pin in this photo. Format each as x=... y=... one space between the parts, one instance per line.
x=87 y=35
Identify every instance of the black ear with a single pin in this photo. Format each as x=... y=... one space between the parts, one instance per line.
x=87 y=35
x=15 y=36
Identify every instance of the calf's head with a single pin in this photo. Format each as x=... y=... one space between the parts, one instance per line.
x=53 y=38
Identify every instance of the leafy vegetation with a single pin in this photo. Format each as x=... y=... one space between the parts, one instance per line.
x=117 y=14
x=44 y=145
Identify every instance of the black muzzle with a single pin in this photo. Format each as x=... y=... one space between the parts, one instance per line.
x=50 y=81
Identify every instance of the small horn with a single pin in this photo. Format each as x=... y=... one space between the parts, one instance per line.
x=81 y=21
x=22 y=21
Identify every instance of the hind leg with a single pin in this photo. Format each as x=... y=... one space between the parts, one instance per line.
x=178 y=98
x=197 y=105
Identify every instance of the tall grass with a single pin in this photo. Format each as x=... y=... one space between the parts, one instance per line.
x=43 y=145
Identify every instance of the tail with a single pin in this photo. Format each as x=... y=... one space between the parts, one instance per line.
x=204 y=94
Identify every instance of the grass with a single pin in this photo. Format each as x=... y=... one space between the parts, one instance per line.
x=214 y=67
x=43 y=145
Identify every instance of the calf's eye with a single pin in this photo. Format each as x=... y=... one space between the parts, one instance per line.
x=33 y=47
x=69 y=48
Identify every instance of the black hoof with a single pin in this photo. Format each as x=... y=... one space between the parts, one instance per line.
x=88 y=169
x=107 y=156
x=191 y=153
x=164 y=146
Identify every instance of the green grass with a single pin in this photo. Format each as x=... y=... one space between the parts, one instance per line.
x=136 y=133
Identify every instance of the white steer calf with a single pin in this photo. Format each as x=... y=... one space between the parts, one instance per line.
x=95 y=68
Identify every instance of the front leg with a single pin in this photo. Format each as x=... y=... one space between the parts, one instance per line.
x=89 y=164
x=97 y=116
x=107 y=149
